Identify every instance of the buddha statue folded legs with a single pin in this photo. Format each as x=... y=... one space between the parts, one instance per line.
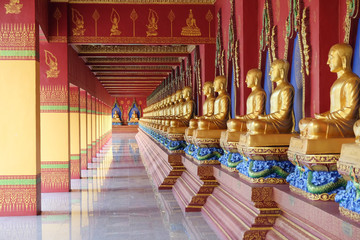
x=255 y=106
x=207 y=136
x=316 y=151
x=264 y=145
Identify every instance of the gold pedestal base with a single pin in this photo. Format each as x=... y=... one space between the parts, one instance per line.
x=318 y=146
x=312 y=196
x=263 y=180
x=206 y=162
x=266 y=140
x=350 y=214
x=229 y=168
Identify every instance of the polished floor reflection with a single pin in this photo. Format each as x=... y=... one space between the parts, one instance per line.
x=113 y=200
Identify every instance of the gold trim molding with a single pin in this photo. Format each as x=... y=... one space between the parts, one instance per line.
x=83 y=49
x=128 y=68
x=211 y=2
x=134 y=60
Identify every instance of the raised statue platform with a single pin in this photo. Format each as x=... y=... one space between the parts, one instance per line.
x=194 y=186
x=238 y=209
x=164 y=167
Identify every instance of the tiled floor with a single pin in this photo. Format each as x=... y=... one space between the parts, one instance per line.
x=115 y=200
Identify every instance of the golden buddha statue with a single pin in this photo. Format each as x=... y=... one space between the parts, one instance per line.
x=134 y=117
x=208 y=106
x=206 y=137
x=221 y=108
x=116 y=117
x=255 y=103
x=280 y=119
x=191 y=29
x=186 y=111
x=255 y=106
x=330 y=133
x=344 y=100
x=175 y=110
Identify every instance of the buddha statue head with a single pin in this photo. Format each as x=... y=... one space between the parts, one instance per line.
x=187 y=93
x=253 y=78
x=279 y=70
x=339 y=58
x=219 y=84
x=208 y=89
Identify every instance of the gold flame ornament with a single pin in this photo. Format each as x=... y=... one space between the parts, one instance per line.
x=78 y=20
x=191 y=29
x=52 y=62
x=115 y=19
x=13 y=7
x=152 y=26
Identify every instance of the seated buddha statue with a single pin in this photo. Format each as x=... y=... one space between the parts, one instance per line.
x=186 y=110
x=175 y=110
x=280 y=119
x=255 y=103
x=134 y=117
x=344 y=100
x=116 y=117
x=221 y=108
x=208 y=106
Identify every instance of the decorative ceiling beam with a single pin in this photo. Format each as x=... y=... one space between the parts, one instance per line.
x=130 y=49
x=207 y=2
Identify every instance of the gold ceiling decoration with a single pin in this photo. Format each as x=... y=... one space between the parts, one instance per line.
x=135 y=60
x=130 y=73
x=139 y=1
x=130 y=49
x=130 y=68
x=133 y=78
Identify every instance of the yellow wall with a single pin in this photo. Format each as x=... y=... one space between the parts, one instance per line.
x=75 y=133
x=83 y=124
x=55 y=137
x=20 y=117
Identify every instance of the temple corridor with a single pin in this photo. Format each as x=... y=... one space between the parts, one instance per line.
x=114 y=200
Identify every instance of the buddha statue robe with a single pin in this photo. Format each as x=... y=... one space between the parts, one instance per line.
x=280 y=119
x=221 y=108
x=255 y=103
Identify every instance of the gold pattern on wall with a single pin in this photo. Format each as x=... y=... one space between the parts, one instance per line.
x=13 y=7
x=171 y=18
x=52 y=63
x=96 y=17
x=126 y=49
x=17 y=35
x=142 y=40
x=57 y=15
x=209 y=17
x=115 y=19
x=78 y=20
x=191 y=29
x=54 y=95
x=133 y=17
x=153 y=19
x=140 y=2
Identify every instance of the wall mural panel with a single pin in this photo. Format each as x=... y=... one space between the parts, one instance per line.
x=133 y=23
